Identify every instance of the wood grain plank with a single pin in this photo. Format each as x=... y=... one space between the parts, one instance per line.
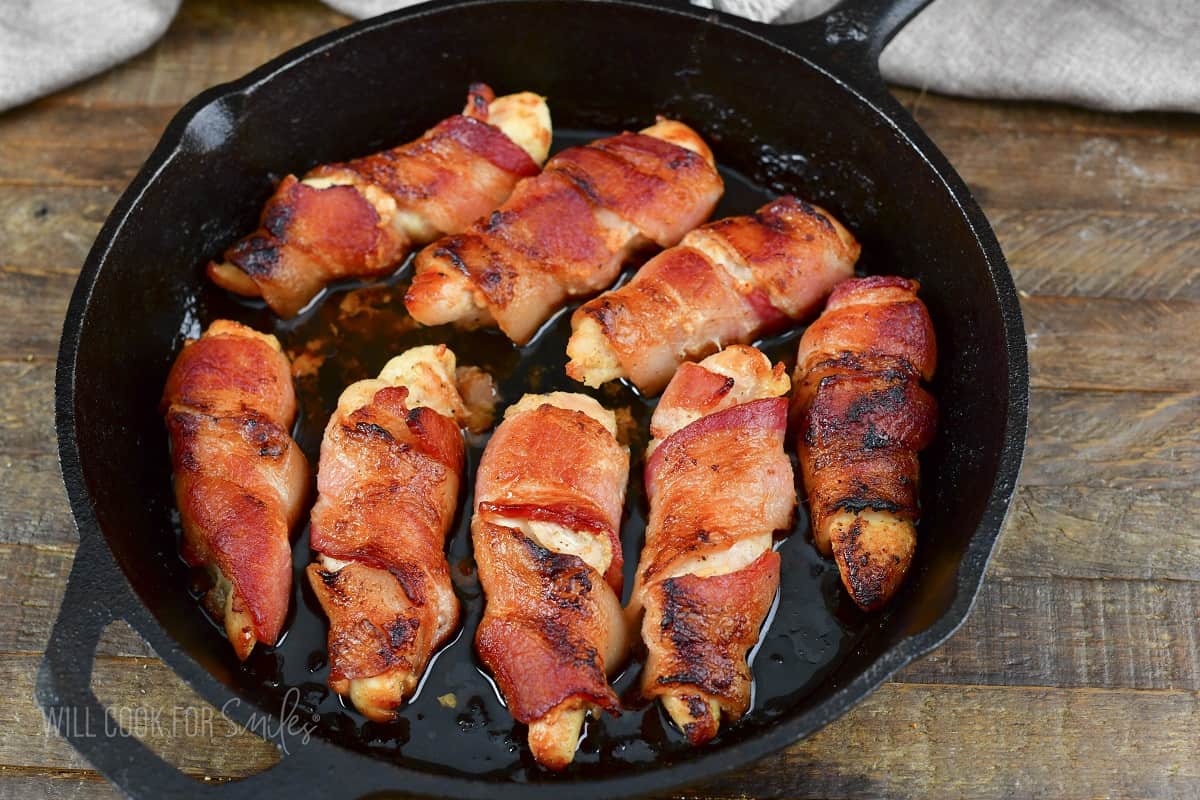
x=71 y=164
x=76 y=146
x=1077 y=171
x=33 y=505
x=33 y=305
x=1068 y=632
x=34 y=580
x=134 y=689
x=1003 y=117
x=931 y=741
x=26 y=406
x=1115 y=440
x=1098 y=533
x=112 y=130
x=1119 y=173
x=1030 y=156
x=1134 y=255
x=50 y=227
x=1103 y=343
x=20 y=783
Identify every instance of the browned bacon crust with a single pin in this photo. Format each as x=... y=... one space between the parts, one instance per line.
x=697 y=633
x=659 y=187
x=309 y=237
x=553 y=464
x=547 y=624
x=713 y=486
x=388 y=481
x=719 y=487
x=567 y=232
x=727 y=282
x=553 y=626
x=714 y=481
x=862 y=418
x=240 y=480
x=451 y=176
x=348 y=225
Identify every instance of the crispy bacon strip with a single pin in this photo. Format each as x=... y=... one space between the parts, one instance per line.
x=719 y=485
x=361 y=218
x=550 y=490
x=567 y=232
x=240 y=480
x=863 y=417
x=391 y=465
x=727 y=282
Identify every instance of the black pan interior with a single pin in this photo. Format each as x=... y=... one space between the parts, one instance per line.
x=776 y=124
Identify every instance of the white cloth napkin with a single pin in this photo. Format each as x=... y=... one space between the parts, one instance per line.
x=48 y=44
x=1120 y=55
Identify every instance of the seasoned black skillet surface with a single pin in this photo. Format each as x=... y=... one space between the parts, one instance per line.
x=457 y=721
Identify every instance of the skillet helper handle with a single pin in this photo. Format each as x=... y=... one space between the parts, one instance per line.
x=97 y=595
x=849 y=38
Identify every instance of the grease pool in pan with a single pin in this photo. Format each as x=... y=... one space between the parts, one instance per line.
x=457 y=722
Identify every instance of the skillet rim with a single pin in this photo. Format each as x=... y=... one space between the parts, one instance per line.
x=125 y=602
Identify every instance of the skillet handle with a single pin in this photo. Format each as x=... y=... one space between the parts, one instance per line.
x=96 y=596
x=849 y=38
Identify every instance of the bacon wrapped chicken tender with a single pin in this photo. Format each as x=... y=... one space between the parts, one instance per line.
x=361 y=218
x=240 y=479
x=390 y=472
x=568 y=232
x=862 y=417
x=549 y=494
x=728 y=282
x=719 y=485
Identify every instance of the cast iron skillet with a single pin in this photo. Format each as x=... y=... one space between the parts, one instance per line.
x=792 y=108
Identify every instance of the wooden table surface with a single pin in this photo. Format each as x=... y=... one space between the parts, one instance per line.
x=1077 y=674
